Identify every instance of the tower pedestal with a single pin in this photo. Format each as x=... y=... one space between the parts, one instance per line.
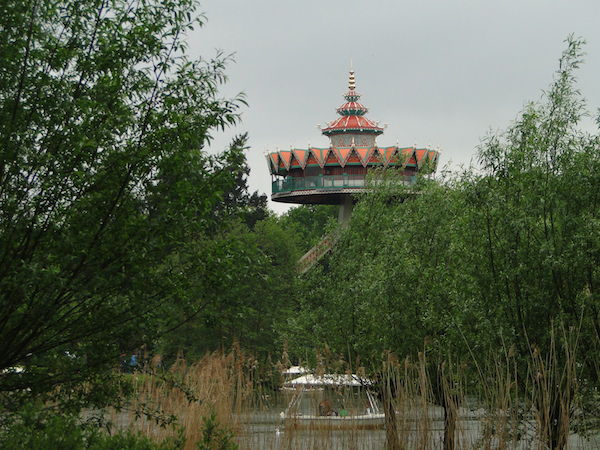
x=345 y=210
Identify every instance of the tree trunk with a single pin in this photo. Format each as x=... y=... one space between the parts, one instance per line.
x=557 y=428
x=387 y=392
x=443 y=390
x=449 y=425
x=555 y=390
x=392 y=442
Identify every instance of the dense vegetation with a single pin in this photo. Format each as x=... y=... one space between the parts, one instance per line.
x=499 y=261
x=120 y=233
x=488 y=258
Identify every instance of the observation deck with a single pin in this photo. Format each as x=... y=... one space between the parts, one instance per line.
x=335 y=174
x=323 y=189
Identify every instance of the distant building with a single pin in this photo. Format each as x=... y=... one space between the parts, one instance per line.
x=332 y=175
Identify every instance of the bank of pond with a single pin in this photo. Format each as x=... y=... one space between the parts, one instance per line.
x=316 y=409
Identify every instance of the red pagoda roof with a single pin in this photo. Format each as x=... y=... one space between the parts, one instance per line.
x=352 y=108
x=352 y=123
x=346 y=151
x=281 y=162
x=352 y=112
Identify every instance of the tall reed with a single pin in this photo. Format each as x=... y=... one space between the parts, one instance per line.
x=217 y=384
x=503 y=400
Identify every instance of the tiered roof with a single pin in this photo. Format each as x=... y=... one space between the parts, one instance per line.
x=352 y=113
x=352 y=121
x=281 y=162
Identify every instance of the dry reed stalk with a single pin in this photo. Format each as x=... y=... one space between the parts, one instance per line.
x=422 y=407
x=226 y=384
x=414 y=399
x=451 y=396
x=502 y=420
x=536 y=410
x=217 y=383
x=405 y=395
x=554 y=383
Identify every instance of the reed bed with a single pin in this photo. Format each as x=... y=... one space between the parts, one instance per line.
x=178 y=401
x=429 y=403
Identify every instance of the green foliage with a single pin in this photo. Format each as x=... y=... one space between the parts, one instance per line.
x=215 y=437
x=497 y=258
x=494 y=263
x=36 y=429
x=126 y=440
x=239 y=202
x=106 y=197
x=249 y=290
x=362 y=302
x=536 y=209
x=307 y=224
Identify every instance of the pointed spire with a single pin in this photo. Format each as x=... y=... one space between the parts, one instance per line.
x=351 y=81
x=353 y=118
x=352 y=95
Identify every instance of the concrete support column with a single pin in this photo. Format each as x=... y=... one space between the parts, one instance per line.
x=345 y=210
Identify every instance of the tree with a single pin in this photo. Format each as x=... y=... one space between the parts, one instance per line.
x=104 y=187
x=505 y=257
x=308 y=224
x=238 y=201
x=245 y=273
x=389 y=285
x=249 y=291
x=537 y=256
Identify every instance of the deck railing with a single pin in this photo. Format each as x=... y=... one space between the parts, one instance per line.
x=325 y=182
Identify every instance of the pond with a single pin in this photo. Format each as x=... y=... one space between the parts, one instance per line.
x=265 y=429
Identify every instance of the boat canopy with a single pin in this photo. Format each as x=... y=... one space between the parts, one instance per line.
x=311 y=380
x=295 y=370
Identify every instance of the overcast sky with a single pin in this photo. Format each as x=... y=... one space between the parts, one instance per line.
x=440 y=73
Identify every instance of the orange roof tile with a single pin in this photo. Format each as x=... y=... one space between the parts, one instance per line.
x=342 y=154
x=419 y=155
x=375 y=157
x=274 y=157
x=364 y=153
x=332 y=158
x=387 y=153
x=301 y=156
x=353 y=158
x=294 y=161
x=286 y=157
x=320 y=155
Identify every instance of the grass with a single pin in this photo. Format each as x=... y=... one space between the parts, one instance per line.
x=431 y=404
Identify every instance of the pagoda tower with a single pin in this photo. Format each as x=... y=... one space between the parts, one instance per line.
x=333 y=175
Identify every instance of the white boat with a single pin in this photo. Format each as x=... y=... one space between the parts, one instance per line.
x=293 y=372
x=332 y=401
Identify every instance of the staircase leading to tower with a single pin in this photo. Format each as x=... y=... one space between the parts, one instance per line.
x=314 y=255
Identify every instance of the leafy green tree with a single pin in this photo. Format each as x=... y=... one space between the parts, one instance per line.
x=105 y=193
x=386 y=284
x=505 y=257
x=36 y=428
x=239 y=202
x=215 y=437
x=308 y=224
x=244 y=272
x=249 y=292
x=538 y=245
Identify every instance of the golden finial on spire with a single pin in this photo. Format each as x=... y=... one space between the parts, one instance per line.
x=351 y=81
